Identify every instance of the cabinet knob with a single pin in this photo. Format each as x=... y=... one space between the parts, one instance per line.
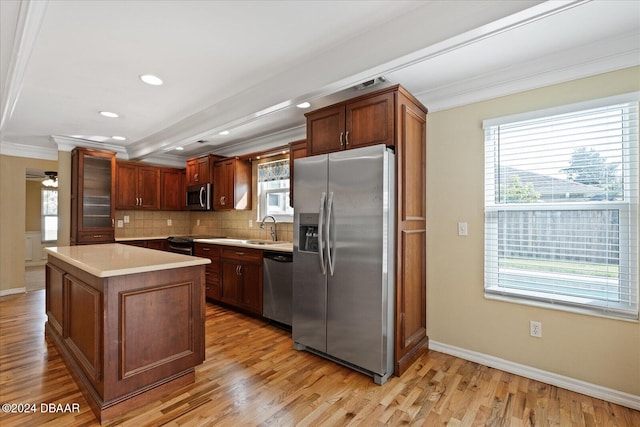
x=195 y=177
x=223 y=200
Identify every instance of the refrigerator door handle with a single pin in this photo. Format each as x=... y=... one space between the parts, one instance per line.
x=320 y=232
x=331 y=259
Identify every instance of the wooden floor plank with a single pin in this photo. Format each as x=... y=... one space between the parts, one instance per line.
x=252 y=376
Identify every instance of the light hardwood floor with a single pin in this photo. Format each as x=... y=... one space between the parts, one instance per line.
x=253 y=377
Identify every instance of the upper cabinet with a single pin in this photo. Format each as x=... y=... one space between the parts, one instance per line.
x=200 y=169
x=172 y=191
x=232 y=184
x=361 y=121
x=297 y=149
x=137 y=186
x=92 y=196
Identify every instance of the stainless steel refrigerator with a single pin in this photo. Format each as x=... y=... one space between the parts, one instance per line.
x=343 y=293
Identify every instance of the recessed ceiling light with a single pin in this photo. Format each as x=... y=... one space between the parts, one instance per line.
x=179 y=148
x=119 y=138
x=150 y=79
x=303 y=105
x=109 y=114
x=224 y=132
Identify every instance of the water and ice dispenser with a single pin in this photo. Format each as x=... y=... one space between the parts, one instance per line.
x=308 y=232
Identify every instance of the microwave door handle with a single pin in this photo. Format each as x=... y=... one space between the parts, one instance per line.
x=200 y=197
x=331 y=258
x=320 y=232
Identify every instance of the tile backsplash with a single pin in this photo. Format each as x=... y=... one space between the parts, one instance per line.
x=145 y=224
x=148 y=224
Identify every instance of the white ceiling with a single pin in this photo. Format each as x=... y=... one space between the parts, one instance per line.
x=243 y=65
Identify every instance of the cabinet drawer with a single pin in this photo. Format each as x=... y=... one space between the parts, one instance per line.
x=206 y=251
x=95 y=237
x=243 y=254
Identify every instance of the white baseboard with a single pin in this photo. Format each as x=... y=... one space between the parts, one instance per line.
x=614 y=396
x=12 y=291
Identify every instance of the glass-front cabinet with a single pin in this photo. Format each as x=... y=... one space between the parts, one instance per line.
x=92 y=196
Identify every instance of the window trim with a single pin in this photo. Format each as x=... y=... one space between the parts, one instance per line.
x=628 y=206
x=43 y=216
x=262 y=195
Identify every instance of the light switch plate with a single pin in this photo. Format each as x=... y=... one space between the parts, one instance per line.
x=462 y=229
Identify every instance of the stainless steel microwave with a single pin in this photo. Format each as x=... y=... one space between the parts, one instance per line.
x=199 y=197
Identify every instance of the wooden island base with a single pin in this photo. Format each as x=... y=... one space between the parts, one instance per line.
x=107 y=411
x=128 y=336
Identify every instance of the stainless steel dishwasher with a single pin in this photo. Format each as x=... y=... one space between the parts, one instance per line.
x=277 y=286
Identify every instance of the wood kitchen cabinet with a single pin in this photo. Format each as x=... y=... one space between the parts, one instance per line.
x=390 y=116
x=232 y=184
x=362 y=121
x=172 y=189
x=92 y=196
x=242 y=278
x=137 y=186
x=297 y=150
x=212 y=271
x=200 y=169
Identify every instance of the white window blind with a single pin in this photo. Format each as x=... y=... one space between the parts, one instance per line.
x=561 y=208
x=273 y=190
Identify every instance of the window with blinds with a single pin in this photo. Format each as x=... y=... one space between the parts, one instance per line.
x=561 y=207
x=273 y=191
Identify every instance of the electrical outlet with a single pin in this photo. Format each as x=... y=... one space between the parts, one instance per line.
x=535 y=329
x=169 y=222
x=120 y=223
x=126 y=219
x=250 y=223
x=462 y=229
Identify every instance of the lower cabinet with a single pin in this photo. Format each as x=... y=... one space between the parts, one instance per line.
x=234 y=276
x=242 y=278
x=212 y=271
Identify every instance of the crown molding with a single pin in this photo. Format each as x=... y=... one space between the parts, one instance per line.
x=29 y=20
x=8 y=148
x=66 y=143
x=262 y=143
x=597 y=58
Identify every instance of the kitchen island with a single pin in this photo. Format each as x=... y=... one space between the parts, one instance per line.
x=129 y=321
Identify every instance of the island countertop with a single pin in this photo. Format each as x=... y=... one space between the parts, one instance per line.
x=114 y=259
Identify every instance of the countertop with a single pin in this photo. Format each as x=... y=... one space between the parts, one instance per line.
x=265 y=245
x=114 y=259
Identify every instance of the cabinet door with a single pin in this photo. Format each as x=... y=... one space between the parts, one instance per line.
x=297 y=150
x=92 y=196
x=55 y=297
x=231 y=282
x=221 y=184
x=370 y=121
x=148 y=183
x=126 y=186
x=191 y=171
x=325 y=130
x=251 y=297
x=173 y=196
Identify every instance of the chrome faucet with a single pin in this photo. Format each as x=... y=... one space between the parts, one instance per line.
x=274 y=236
